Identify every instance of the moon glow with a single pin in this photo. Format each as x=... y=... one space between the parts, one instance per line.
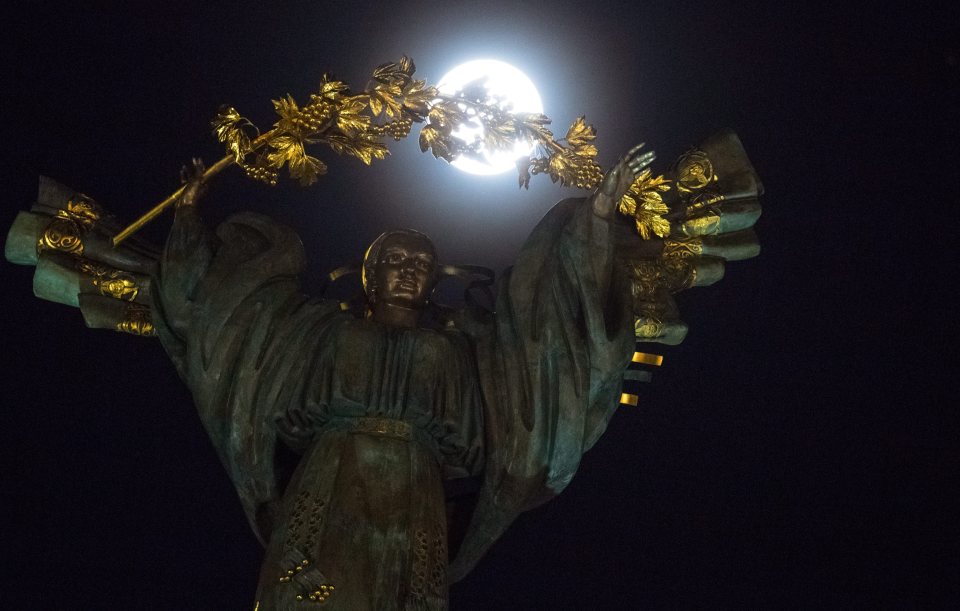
x=512 y=89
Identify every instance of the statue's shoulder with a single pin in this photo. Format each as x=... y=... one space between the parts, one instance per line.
x=259 y=223
x=247 y=235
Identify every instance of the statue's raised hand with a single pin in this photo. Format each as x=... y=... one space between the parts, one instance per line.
x=618 y=180
x=193 y=184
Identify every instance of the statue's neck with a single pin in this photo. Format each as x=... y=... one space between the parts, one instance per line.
x=395 y=315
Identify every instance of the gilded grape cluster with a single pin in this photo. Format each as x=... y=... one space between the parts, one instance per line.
x=587 y=177
x=262 y=174
x=314 y=116
x=399 y=129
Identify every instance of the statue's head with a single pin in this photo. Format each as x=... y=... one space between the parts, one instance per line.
x=400 y=269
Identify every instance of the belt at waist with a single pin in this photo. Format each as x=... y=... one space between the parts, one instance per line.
x=384 y=427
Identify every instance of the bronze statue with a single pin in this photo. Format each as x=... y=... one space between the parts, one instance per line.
x=383 y=415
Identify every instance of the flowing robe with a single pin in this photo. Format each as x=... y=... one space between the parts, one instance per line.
x=382 y=415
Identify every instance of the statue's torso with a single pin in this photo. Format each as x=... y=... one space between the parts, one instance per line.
x=393 y=409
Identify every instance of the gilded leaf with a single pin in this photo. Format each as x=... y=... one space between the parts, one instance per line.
x=417 y=97
x=306 y=169
x=285 y=149
x=438 y=143
x=644 y=203
x=559 y=168
x=428 y=135
x=398 y=73
x=585 y=150
x=385 y=97
x=287 y=108
x=653 y=202
x=580 y=133
x=225 y=121
x=332 y=89
x=371 y=149
x=533 y=126
x=239 y=145
x=229 y=127
x=523 y=172
x=533 y=119
x=364 y=147
x=650 y=223
x=627 y=205
x=349 y=119
x=499 y=136
x=447 y=114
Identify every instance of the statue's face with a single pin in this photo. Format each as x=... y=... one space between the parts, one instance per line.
x=406 y=270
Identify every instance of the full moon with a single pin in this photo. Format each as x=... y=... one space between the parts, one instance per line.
x=512 y=90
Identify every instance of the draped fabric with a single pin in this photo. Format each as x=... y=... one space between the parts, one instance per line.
x=384 y=415
x=551 y=368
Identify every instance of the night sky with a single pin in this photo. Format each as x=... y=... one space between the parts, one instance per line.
x=798 y=450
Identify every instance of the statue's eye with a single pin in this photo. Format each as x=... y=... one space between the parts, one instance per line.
x=423 y=265
x=394 y=258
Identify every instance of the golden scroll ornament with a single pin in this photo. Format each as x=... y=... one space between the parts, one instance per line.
x=64 y=232
x=694 y=171
x=137 y=321
x=683 y=249
x=109 y=281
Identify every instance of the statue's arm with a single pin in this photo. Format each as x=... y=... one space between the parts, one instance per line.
x=212 y=284
x=186 y=257
x=564 y=337
x=603 y=203
x=234 y=321
x=551 y=370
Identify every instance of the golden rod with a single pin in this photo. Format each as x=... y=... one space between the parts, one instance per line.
x=156 y=210
x=159 y=208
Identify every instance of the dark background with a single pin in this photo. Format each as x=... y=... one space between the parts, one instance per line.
x=799 y=450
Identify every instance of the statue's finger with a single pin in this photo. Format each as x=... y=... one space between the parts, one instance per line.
x=635 y=150
x=638 y=164
x=633 y=159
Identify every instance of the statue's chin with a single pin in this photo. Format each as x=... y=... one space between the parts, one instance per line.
x=399 y=313
x=406 y=299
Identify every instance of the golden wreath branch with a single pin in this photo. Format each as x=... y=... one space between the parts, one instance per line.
x=357 y=124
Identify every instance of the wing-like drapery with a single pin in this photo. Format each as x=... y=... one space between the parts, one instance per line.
x=230 y=314
x=551 y=368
